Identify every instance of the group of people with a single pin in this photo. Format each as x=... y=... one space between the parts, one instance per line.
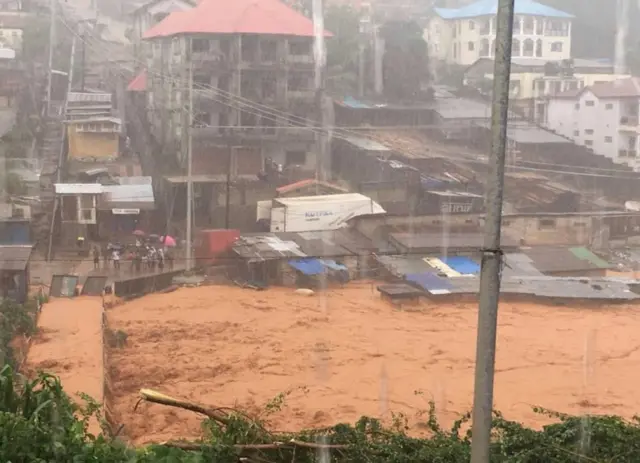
x=143 y=256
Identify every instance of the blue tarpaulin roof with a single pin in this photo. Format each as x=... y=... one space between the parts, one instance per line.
x=429 y=281
x=308 y=266
x=351 y=102
x=461 y=264
x=489 y=8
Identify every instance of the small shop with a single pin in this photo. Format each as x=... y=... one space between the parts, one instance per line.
x=125 y=208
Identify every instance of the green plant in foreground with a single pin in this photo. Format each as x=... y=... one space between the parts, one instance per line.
x=40 y=423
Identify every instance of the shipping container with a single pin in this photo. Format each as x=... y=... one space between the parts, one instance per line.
x=211 y=244
x=317 y=213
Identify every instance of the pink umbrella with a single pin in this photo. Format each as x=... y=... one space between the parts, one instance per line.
x=168 y=241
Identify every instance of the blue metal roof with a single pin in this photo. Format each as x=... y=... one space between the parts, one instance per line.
x=429 y=281
x=489 y=8
x=461 y=264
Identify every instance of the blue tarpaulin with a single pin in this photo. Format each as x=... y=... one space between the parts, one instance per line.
x=429 y=281
x=308 y=266
x=462 y=265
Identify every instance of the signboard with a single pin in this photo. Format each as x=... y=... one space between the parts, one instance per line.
x=125 y=211
x=456 y=208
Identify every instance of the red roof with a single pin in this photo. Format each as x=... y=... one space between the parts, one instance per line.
x=308 y=182
x=235 y=17
x=139 y=83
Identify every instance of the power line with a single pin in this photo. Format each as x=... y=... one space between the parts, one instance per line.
x=336 y=131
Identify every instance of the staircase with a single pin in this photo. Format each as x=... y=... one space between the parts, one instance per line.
x=49 y=154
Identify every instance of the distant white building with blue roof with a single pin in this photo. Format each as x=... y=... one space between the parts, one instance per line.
x=464 y=35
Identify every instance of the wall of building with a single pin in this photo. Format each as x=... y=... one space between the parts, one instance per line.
x=590 y=122
x=93 y=145
x=464 y=41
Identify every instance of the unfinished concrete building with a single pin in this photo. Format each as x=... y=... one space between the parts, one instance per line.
x=252 y=65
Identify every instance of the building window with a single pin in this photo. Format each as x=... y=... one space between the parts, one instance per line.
x=538 y=47
x=576 y=133
x=556 y=47
x=486 y=27
x=608 y=139
x=608 y=106
x=515 y=46
x=472 y=25
x=588 y=142
x=199 y=45
x=455 y=51
x=527 y=49
x=300 y=48
x=527 y=23
x=546 y=224
x=589 y=131
x=590 y=103
x=295 y=158
x=577 y=106
x=472 y=46
x=539 y=26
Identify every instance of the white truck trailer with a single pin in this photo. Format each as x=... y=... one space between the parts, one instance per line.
x=315 y=213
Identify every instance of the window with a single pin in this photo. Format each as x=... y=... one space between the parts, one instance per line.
x=472 y=46
x=608 y=139
x=576 y=133
x=539 y=26
x=608 y=106
x=538 y=46
x=589 y=131
x=577 y=106
x=199 y=45
x=201 y=80
x=486 y=27
x=455 y=50
x=268 y=50
x=515 y=47
x=298 y=84
x=472 y=25
x=527 y=49
x=556 y=47
x=546 y=224
x=588 y=142
x=590 y=103
x=527 y=23
x=298 y=48
x=295 y=158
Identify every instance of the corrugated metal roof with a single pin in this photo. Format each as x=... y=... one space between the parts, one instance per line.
x=82 y=97
x=139 y=82
x=584 y=254
x=125 y=194
x=14 y=257
x=265 y=17
x=78 y=188
x=135 y=180
x=489 y=8
x=557 y=259
x=366 y=144
x=438 y=241
x=527 y=133
x=308 y=182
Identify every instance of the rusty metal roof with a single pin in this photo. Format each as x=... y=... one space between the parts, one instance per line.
x=15 y=257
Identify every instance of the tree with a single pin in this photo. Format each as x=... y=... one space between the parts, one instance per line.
x=343 y=21
x=405 y=61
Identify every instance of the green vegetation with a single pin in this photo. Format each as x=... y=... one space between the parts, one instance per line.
x=15 y=320
x=39 y=423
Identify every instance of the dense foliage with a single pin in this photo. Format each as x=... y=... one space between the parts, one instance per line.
x=39 y=423
x=15 y=320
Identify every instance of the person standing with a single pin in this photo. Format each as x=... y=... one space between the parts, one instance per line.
x=116 y=259
x=96 y=258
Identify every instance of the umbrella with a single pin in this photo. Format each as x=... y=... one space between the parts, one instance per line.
x=168 y=241
x=139 y=233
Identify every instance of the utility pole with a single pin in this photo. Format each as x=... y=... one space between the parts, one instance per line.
x=320 y=59
x=492 y=254
x=227 y=197
x=52 y=38
x=83 y=59
x=189 y=159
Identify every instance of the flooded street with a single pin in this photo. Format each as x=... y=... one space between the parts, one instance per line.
x=230 y=347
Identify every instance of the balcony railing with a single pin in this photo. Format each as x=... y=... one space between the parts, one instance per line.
x=627 y=153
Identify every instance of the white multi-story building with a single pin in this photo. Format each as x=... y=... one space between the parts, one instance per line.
x=463 y=35
x=603 y=117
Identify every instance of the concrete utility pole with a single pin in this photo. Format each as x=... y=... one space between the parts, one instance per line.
x=320 y=59
x=492 y=254
x=189 y=159
x=52 y=38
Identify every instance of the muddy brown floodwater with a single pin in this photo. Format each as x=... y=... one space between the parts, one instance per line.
x=357 y=356
x=68 y=344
